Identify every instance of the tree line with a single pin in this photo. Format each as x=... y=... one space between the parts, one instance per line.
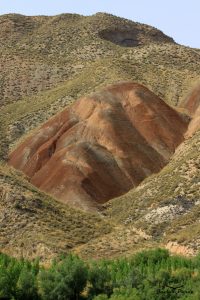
x=148 y=275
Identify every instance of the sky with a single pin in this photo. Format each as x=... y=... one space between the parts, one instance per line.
x=179 y=19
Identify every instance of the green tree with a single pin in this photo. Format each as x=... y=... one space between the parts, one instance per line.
x=65 y=280
x=100 y=279
x=26 y=288
x=9 y=274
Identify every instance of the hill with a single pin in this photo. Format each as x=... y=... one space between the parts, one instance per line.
x=164 y=210
x=101 y=146
x=166 y=206
x=40 y=52
x=46 y=64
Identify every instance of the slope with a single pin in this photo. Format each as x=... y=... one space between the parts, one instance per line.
x=166 y=206
x=48 y=62
x=101 y=146
x=163 y=211
x=39 y=52
x=192 y=106
x=35 y=225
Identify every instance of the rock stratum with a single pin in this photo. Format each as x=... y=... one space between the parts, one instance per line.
x=101 y=146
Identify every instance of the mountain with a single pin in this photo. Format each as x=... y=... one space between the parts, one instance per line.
x=139 y=193
x=101 y=146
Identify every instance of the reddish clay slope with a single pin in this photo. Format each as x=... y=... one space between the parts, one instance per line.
x=102 y=146
x=192 y=104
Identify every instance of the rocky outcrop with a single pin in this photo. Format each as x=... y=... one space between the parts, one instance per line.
x=178 y=249
x=132 y=37
x=102 y=146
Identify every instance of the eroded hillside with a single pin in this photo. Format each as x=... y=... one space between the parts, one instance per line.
x=166 y=206
x=101 y=146
x=164 y=210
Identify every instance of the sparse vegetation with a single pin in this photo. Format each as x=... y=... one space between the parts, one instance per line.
x=34 y=224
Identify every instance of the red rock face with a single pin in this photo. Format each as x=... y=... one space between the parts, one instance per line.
x=102 y=146
x=193 y=101
x=192 y=104
x=194 y=124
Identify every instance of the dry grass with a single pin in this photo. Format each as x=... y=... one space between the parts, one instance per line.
x=35 y=225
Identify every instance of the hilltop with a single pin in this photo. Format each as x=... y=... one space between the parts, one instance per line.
x=38 y=53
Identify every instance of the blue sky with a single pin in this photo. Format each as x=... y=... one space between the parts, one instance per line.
x=177 y=18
